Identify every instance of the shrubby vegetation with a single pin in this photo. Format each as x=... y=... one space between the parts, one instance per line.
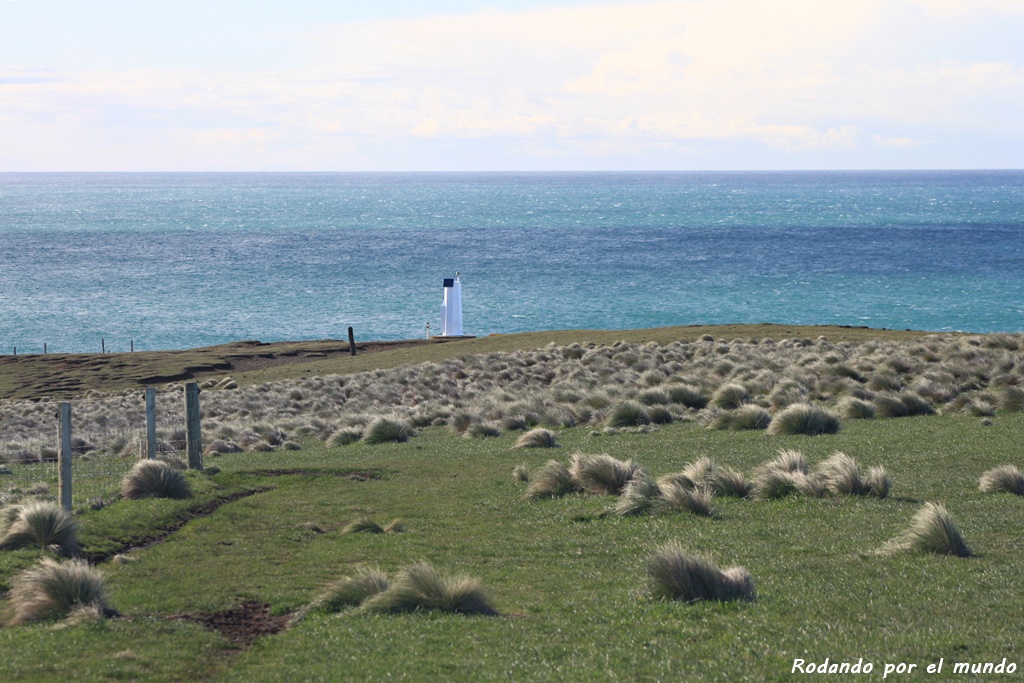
x=418 y=587
x=39 y=524
x=676 y=575
x=56 y=590
x=736 y=384
x=932 y=530
x=155 y=479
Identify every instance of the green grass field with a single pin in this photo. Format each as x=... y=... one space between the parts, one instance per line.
x=569 y=583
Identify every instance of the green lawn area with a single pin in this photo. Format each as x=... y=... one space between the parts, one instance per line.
x=570 y=584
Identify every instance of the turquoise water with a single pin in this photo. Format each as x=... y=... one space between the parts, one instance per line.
x=183 y=260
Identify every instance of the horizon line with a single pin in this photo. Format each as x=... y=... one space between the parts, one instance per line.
x=518 y=171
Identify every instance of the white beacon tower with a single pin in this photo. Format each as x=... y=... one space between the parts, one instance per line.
x=451 y=309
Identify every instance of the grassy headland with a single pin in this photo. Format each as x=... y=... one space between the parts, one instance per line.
x=205 y=586
x=58 y=375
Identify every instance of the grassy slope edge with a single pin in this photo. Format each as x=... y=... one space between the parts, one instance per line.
x=251 y=362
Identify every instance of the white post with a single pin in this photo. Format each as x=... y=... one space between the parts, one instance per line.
x=150 y=423
x=64 y=456
x=451 y=309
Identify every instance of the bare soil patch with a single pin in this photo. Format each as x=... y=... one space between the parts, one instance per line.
x=241 y=625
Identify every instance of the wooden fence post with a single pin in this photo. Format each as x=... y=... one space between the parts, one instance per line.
x=351 y=341
x=193 y=431
x=150 y=423
x=64 y=456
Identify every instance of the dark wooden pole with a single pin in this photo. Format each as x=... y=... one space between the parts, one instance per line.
x=150 y=423
x=351 y=341
x=193 y=430
x=64 y=456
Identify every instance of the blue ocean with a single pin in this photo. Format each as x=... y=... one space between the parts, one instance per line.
x=169 y=261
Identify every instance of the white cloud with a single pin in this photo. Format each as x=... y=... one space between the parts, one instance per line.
x=629 y=82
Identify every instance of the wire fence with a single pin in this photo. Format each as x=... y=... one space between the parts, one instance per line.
x=20 y=475
x=107 y=439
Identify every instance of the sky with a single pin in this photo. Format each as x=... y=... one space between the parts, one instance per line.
x=510 y=85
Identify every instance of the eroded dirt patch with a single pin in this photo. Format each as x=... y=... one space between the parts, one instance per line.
x=162 y=533
x=354 y=475
x=241 y=625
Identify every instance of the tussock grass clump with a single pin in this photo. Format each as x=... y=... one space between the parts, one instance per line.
x=730 y=396
x=155 y=479
x=916 y=405
x=701 y=471
x=716 y=419
x=786 y=474
x=348 y=591
x=727 y=481
x=841 y=474
x=887 y=405
x=482 y=430
x=8 y=515
x=461 y=421
x=537 y=438
x=803 y=418
x=877 y=481
x=770 y=484
x=521 y=473
x=352 y=590
x=551 y=480
x=1002 y=479
x=853 y=408
x=675 y=575
x=747 y=417
x=513 y=423
x=386 y=430
x=365 y=525
x=722 y=481
x=627 y=414
x=979 y=407
x=885 y=380
x=675 y=497
x=932 y=530
x=345 y=436
x=39 y=524
x=602 y=474
x=788 y=460
x=902 y=405
x=1011 y=399
x=638 y=498
x=653 y=397
x=53 y=590
x=687 y=395
x=421 y=587
x=659 y=415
